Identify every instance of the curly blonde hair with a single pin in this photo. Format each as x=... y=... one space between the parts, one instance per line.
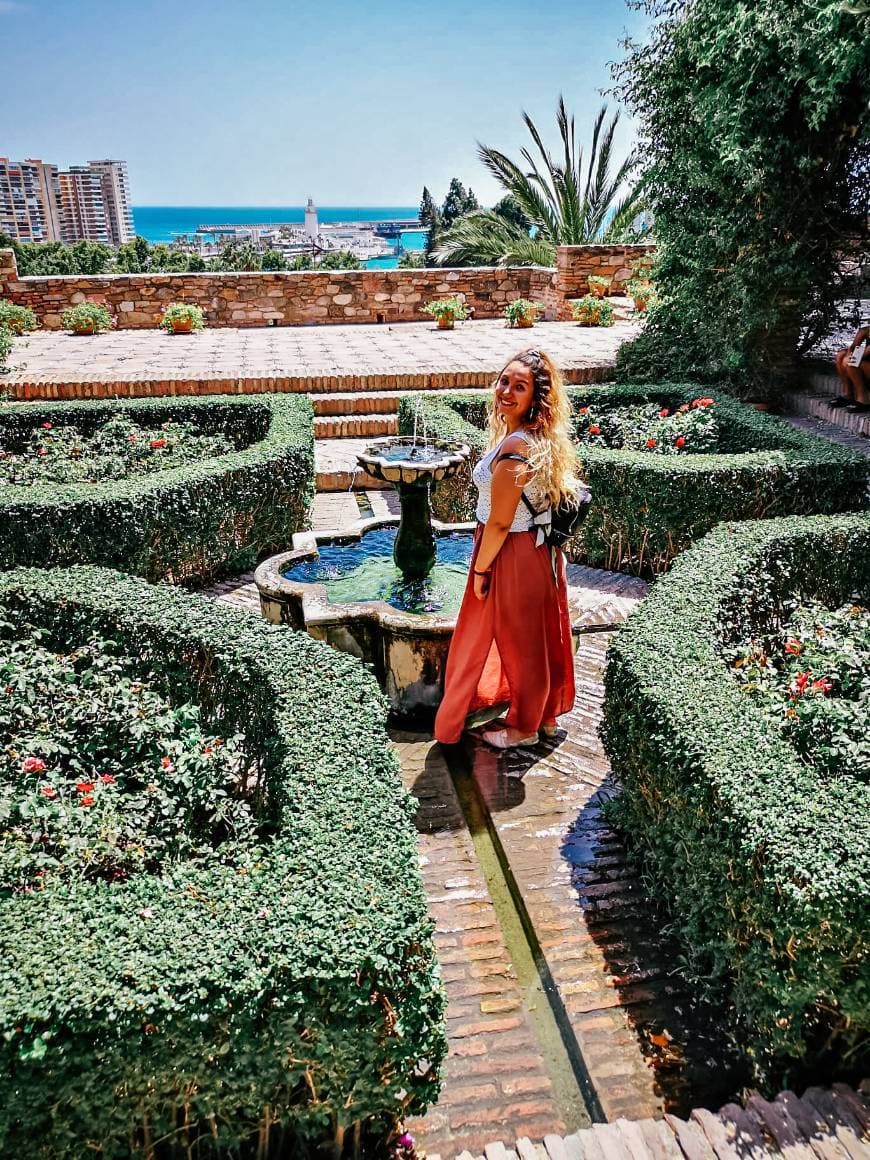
x=552 y=456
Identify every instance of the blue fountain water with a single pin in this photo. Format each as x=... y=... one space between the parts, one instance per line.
x=364 y=570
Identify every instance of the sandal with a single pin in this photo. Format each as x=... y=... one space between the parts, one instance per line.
x=501 y=739
x=549 y=730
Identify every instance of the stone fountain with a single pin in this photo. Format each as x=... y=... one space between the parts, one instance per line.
x=396 y=616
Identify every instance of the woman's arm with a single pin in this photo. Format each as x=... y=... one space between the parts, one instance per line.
x=508 y=479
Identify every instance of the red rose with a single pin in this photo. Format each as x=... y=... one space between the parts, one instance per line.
x=47 y=426
x=156 y=444
x=42 y=451
x=85 y=786
x=33 y=765
x=822 y=685
x=583 y=411
x=799 y=684
x=166 y=762
x=594 y=429
x=679 y=441
x=663 y=414
x=107 y=779
x=651 y=443
x=794 y=647
x=87 y=800
x=682 y=410
x=48 y=791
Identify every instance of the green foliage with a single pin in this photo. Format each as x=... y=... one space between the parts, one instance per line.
x=522 y=308
x=562 y=201
x=338 y=260
x=762 y=861
x=412 y=260
x=273 y=260
x=185 y=524
x=599 y=283
x=285 y=987
x=691 y=429
x=181 y=312
x=6 y=343
x=46 y=259
x=453 y=308
x=17 y=319
x=87 y=318
x=140 y=257
x=647 y=508
x=753 y=122
x=590 y=310
x=237 y=256
x=101 y=777
x=458 y=202
x=811 y=679
x=117 y=449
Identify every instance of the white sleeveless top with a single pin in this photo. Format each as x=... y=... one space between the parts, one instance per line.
x=482 y=477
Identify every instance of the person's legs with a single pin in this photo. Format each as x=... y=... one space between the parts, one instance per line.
x=858 y=378
x=841 y=362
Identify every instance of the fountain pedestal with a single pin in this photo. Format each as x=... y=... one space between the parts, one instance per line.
x=414 y=551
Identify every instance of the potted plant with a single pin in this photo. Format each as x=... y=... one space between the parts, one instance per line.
x=599 y=286
x=86 y=318
x=181 y=318
x=592 y=311
x=447 y=311
x=18 y=319
x=640 y=290
x=522 y=313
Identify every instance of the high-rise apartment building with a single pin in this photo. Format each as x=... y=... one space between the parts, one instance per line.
x=29 y=200
x=83 y=215
x=83 y=203
x=116 y=197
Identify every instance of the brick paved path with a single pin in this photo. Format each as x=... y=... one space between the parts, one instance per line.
x=407 y=355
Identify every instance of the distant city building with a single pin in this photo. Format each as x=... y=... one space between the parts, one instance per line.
x=29 y=200
x=116 y=197
x=83 y=215
x=39 y=203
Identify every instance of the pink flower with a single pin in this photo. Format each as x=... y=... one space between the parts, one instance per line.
x=33 y=765
x=146 y=912
x=799 y=684
x=47 y=426
x=679 y=441
x=87 y=800
x=822 y=685
x=663 y=414
x=794 y=647
x=406 y=1140
x=107 y=779
x=48 y=791
x=166 y=762
x=42 y=451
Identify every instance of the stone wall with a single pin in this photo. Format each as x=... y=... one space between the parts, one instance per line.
x=314 y=296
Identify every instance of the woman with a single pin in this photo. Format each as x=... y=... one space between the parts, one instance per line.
x=513 y=635
x=855 y=380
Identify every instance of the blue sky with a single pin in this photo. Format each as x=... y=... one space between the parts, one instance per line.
x=264 y=102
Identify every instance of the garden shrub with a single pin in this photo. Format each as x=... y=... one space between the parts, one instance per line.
x=187 y=523
x=280 y=991
x=6 y=344
x=762 y=859
x=646 y=508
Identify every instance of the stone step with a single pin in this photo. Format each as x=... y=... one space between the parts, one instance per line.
x=354 y=426
x=357 y=402
x=818 y=406
x=336 y=469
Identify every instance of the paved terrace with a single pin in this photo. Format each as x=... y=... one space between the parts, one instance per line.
x=401 y=356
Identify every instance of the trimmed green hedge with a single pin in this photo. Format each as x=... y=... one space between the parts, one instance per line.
x=647 y=508
x=294 y=990
x=763 y=863
x=186 y=524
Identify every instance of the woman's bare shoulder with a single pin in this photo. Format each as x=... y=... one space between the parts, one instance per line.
x=516 y=444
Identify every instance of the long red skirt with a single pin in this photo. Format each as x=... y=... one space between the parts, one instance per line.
x=514 y=646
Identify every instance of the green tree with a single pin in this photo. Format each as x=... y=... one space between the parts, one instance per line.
x=412 y=260
x=273 y=260
x=133 y=257
x=458 y=202
x=564 y=200
x=339 y=260
x=195 y=263
x=430 y=219
x=238 y=256
x=753 y=123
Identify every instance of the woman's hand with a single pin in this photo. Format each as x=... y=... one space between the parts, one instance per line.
x=481 y=586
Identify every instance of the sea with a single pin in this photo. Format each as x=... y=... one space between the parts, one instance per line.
x=162 y=223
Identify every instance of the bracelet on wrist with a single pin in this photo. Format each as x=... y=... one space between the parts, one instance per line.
x=485 y=572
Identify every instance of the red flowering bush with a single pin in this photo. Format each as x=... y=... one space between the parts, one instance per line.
x=651 y=427
x=115 y=450
x=100 y=776
x=812 y=680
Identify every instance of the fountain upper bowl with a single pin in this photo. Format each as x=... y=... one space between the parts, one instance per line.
x=404 y=460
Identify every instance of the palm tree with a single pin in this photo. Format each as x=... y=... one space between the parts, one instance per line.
x=565 y=202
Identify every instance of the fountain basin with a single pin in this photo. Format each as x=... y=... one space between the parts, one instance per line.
x=406 y=650
x=400 y=460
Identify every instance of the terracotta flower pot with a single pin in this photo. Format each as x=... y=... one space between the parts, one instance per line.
x=182 y=325
x=85 y=328
x=524 y=322
x=640 y=304
x=598 y=291
x=445 y=322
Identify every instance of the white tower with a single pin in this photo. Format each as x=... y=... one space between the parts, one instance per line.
x=312 y=229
